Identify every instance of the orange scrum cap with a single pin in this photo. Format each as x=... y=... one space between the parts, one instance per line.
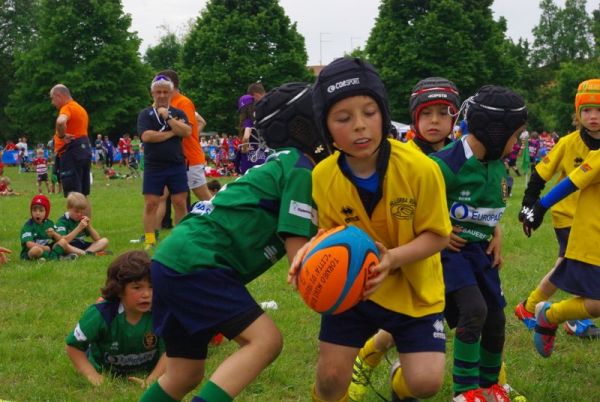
x=588 y=94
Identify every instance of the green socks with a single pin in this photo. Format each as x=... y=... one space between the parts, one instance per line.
x=156 y=394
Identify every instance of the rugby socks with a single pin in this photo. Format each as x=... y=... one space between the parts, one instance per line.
x=315 y=398
x=369 y=353
x=534 y=298
x=211 y=392
x=570 y=309
x=156 y=394
x=399 y=385
x=489 y=368
x=465 y=371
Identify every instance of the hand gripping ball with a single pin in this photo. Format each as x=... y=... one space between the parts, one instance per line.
x=335 y=269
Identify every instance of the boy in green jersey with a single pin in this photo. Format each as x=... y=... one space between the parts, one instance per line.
x=39 y=239
x=116 y=334
x=200 y=270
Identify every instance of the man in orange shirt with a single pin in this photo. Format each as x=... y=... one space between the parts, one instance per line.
x=71 y=141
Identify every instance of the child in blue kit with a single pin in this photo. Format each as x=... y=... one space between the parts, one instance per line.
x=396 y=195
x=476 y=191
x=200 y=270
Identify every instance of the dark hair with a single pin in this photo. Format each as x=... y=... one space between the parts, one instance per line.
x=131 y=266
x=214 y=185
x=246 y=112
x=256 y=88
x=172 y=76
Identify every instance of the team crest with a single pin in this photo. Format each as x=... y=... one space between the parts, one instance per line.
x=505 y=194
x=150 y=340
x=403 y=208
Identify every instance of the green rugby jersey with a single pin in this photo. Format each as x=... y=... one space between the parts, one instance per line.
x=36 y=233
x=241 y=227
x=113 y=343
x=476 y=191
x=65 y=225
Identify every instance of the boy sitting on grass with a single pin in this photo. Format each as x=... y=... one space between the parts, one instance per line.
x=116 y=334
x=74 y=226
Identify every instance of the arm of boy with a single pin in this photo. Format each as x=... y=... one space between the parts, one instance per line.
x=31 y=244
x=296 y=250
x=495 y=247
x=456 y=242
x=83 y=365
x=159 y=369
x=3 y=255
x=92 y=232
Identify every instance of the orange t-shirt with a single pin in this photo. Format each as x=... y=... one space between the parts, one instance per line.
x=191 y=145
x=77 y=123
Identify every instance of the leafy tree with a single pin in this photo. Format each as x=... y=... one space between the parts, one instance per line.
x=84 y=44
x=166 y=54
x=456 y=39
x=562 y=34
x=596 y=30
x=232 y=44
x=18 y=31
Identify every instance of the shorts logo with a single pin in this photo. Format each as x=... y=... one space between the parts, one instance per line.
x=342 y=84
x=585 y=168
x=150 y=340
x=403 y=208
x=438 y=330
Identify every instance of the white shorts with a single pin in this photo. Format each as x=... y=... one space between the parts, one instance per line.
x=195 y=176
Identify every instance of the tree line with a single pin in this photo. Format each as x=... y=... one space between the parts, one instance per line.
x=88 y=46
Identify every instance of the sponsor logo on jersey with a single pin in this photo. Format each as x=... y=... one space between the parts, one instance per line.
x=481 y=216
x=202 y=208
x=150 y=340
x=465 y=195
x=303 y=210
x=79 y=335
x=342 y=84
x=585 y=167
x=403 y=208
x=26 y=234
x=136 y=359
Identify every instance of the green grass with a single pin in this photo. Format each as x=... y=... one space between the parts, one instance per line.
x=41 y=302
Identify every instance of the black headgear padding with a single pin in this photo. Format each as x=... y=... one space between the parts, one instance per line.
x=493 y=114
x=343 y=78
x=284 y=118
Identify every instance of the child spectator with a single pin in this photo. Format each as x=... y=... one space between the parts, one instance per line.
x=41 y=170
x=115 y=336
x=135 y=147
x=5 y=188
x=214 y=186
x=39 y=239
x=567 y=155
x=579 y=271
x=510 y=162
x=199 y=285
x=125 y=149
x=534 y=146
x=3 y=255
x=251 y=154
x=395 y=194
x=476 y=191
x=109 y=151
x=98 y=150
x=75 y=226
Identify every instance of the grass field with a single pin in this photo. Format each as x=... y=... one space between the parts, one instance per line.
x=41 y=302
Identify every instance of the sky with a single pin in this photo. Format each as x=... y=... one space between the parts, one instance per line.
x=330 y=27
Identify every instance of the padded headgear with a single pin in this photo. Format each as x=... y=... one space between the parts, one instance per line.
x=343 y=78
x=493 y=114
x=588 y=95
x=432 y=91
x=42 y=200
x=284 y=118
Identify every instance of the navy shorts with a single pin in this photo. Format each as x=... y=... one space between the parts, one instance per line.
x=42 y=177
x=188 y=309
x=562 y=235
x=173 y=177
x=578 y=278
x=411 y=334
x=472 y=266
x=80 y=244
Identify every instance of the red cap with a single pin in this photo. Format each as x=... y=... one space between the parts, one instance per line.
x=42 y=200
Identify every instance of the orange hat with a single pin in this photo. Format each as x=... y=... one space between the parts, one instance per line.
x=588 y=94
x=42 y=200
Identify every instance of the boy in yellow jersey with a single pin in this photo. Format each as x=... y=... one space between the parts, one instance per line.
x=433 y=106
x=395 y=194
x=579 y=271
x=566 y=155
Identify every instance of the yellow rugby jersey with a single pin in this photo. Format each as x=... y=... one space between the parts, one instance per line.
x=566 y=155
x=584 y=239
x=413 y=201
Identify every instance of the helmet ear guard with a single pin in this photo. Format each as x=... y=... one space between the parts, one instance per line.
x=284 y=118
